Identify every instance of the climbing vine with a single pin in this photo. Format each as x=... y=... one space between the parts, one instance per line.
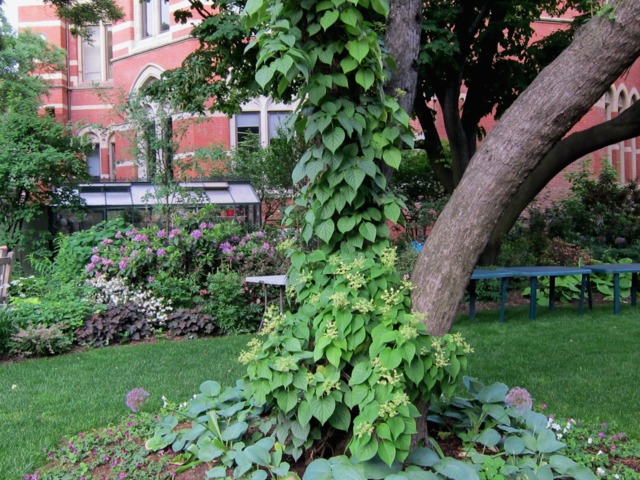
x=347 y=369
x=352 y=363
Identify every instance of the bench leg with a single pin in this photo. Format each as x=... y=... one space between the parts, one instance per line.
x=534 y=298
x=472 y=299
x=616 y=293
x=552 y=292
x=634 y=288
x=503 y=297
x=583 y=286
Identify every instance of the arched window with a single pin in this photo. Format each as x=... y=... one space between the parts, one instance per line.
x=93 y=159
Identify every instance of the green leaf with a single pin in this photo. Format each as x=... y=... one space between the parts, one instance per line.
x=493 y=393
x=514 y=445
x=368 y=231
x=211 y=388
x=361 y=373
x=334 y=355
x=319 y=469
x=348 y=64
x=456 y=470
x=358 y=49
x=313 y=169
x=547 y=442
x=325 y=230
x=380 y=6
x=354 y=177
x=287 y=400
x=341 y=418
x=488 y=437
x=217 y=472
x=350 y=16
x=365 y=78
x=392 y=157
x=297 y=260
x=333 y=139
x=322 y=408
x=423 y=457
x=329 y=18
x=304 y=412
x=346 y=224
x=264 y=75
x=233 y=432
x=387 y=452
x=392 y=211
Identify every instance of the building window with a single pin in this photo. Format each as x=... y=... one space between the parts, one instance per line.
x=277 y=123
x=97 y=55
x=155 y=17
x=247 y=126
x=93 y=160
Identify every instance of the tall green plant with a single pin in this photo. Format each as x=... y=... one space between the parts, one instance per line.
x=353 y=362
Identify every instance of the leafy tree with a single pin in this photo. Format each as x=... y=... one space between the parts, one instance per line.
x=494 y=176
x=40 y=161
x=22 y=58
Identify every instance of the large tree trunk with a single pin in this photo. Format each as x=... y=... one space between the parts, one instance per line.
x=537 y=120
x=575 y=146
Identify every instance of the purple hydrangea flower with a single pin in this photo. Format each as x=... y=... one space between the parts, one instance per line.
x=150 y=278
x=266 y=246
x=161 y=233
x=90 y=266
x=118 y=234
x=519 y=399
x=161 y=252
x=140 y=238
x=260 y=234
x=203 y=226
x=95 y=250
x=124 y=263
x=95 y=259
x=174 y=232
x=131 y=232
x=106 y=242
x=135 y=399
x=196 y=234
x=149 y=250
x=107 y=262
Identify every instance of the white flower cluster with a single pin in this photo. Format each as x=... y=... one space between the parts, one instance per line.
x=557 y=427
x=115 y=292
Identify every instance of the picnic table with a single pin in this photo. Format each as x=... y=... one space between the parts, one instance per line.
x=533 y=273
x=484 y=274
x=279 y=281
x=616 y=269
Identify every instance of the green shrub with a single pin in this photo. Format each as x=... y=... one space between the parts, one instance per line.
x=233 y=303
x=7 y=328
x=40 y=340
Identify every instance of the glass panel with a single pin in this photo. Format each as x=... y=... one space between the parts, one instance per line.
x=146 y=20
x=248 y=120
x=109 y=51
x=277 y=121
x=91 y=59
x=165 y=15
x=93 y=162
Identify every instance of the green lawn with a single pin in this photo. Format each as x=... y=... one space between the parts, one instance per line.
x=65 y=395
x=583 y=367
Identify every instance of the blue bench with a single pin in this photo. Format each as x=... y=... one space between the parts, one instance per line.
x=616 y=269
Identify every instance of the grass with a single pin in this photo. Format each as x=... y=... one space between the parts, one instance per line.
x=582 y=367
x=68 y=394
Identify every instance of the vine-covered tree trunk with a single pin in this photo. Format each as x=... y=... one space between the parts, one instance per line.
x=538 y=119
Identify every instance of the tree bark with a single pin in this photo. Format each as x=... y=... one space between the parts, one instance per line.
x=402 y=40
x=563 y=92
x=626 y=125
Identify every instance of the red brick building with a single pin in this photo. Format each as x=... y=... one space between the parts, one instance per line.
x=119 y=60
x=136 y=50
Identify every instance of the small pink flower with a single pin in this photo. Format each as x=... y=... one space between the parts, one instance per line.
x=89 y=267
x=161 y=252
x=203 y=226
x=161 y=233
